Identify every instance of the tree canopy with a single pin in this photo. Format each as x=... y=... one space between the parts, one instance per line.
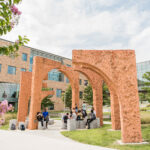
x=145 y=95
x=88 y=95
x=46 y=102
x=9 y=18
x=67 y=97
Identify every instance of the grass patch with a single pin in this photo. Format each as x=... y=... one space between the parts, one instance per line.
x=145 y=117
x=106 y=113
x=105 y=138
x=8 y=116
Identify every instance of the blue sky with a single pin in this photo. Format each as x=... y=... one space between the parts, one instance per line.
x=58 y=26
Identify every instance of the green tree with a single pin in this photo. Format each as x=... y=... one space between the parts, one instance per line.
x=106 y=95
x=46 y=102
x=146 y=87
x=88 y=95
x=9 y=17
x=67 y=97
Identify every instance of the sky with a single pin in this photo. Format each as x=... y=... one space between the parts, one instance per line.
x=59 y=26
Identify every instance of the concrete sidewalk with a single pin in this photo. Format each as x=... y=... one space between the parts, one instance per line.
x=41 y=140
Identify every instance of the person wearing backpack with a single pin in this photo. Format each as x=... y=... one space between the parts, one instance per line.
x=92 y=117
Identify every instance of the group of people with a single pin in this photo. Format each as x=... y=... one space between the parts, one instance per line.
x=80 y=115
x=43 y=116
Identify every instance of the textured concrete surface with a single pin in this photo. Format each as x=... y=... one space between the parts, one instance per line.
x=25 y=94
x=41 y=67
x=118 y=69
x=41 y=139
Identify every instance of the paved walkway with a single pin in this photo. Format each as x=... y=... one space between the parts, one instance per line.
x=41 y=140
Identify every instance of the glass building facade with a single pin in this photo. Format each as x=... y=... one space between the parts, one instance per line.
x=142 y=68
x=9 y=91
x=55 y=75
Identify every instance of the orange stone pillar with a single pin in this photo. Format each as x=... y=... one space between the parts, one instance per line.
x=98 y=101
x=118 y=69
x=24 y=96
x=115 y=112
x=35 y=106
x=125 y=78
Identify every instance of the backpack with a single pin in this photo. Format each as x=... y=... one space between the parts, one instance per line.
x=13 y=127
x=93 y=116
x=22 y=127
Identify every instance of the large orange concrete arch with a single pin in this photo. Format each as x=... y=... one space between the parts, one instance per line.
x=41 y=67
x=118 y=69
x=97 y=82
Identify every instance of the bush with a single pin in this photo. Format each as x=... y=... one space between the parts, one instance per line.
x=148 y=105
x=143 y=109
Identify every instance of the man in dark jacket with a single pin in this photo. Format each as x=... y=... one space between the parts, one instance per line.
x=92 y=117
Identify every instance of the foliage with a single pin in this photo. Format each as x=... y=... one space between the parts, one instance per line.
x=67 y=97
x=9 y=17
x=146 y=87
x=4 y=107
x=88 y=95
x=103 y=137
x=106 y=95
x=46 y=102
x=47 y=89
x=8 y=117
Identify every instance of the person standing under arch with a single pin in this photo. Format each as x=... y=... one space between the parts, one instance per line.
x=46 y=116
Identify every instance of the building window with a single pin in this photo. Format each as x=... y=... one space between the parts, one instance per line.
x=81 y=94
x=0 y=67
x=67 y=80
x=11 y=70
x=31 y=59
x=23 y=69
x=58 y=92
x=80 y=81
x=55 y=75
x=85 y=82
x=24 y=56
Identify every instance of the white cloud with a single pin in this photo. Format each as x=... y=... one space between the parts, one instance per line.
x=58 y=26
x=141 y=43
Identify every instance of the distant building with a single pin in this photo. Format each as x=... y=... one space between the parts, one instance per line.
x=10 y=69
x=142 y=68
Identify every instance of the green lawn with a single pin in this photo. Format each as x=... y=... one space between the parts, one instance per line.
x=105 y=138
x=8 y=116
x=145 y=117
